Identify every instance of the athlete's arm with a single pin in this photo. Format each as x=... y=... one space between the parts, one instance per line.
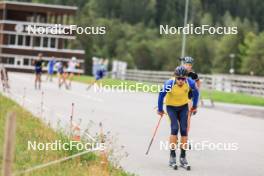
x=6 y=73
x=195 y=92
x=166 y=88
x=197 y=80
x=198 y=83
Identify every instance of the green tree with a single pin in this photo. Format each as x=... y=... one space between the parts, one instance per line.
x=202 y=49
x=226 y=46
x=167 y=52
x=254 y=59
x=143 y=56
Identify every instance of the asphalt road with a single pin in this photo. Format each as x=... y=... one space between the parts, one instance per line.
x=131 y=117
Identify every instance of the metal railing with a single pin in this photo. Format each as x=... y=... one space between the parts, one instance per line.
x=32 y=68
x=252 y=85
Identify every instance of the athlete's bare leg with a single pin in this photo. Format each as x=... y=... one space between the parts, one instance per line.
x=173 y=141
x=71 y=75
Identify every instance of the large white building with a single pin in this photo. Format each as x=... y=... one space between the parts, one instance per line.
x=18 y=47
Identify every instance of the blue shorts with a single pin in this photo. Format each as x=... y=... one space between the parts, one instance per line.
x=38 y=70
x=99 y=75
x=60 y=70
x=178 y=116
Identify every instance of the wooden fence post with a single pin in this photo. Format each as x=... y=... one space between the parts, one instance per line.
x=10 y=134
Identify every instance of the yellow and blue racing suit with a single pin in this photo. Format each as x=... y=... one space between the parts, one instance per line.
x=176 y=100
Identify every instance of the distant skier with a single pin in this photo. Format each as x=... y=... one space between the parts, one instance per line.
x=38 y=71
x=60 y=66
x=99 y=71
x=176 y=92
x=50 y=68
x=72 y=64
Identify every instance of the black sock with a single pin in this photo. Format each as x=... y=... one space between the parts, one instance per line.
x=172 y=153
x=183 y=153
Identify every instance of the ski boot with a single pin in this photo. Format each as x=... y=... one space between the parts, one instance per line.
x=172 y=163
x=184 y=164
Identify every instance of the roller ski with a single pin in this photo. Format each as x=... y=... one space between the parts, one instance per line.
x=172 y=163
x=91 y=85
x=184 y=164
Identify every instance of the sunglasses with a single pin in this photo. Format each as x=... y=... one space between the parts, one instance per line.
x=181 y=78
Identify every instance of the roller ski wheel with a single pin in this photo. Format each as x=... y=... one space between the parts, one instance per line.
x=187 y=167
x=184 y=164
x=174 y=166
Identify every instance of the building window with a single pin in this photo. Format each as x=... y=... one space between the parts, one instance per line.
x=37 y=18
x=26 y=61
x=30 y=18
x=20 y=40
x=11 y=60
x=37 y=41
x=18 y=62
x=8 y=60
x=11 y=39
x=53 y=43
x=66 y=44
x=45 y=42
x=27 y=41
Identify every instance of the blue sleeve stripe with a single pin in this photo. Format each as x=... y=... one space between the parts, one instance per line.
x=166 y=88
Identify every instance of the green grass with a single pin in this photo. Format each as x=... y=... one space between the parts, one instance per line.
x=33 y=129
x=217 y=96
x=235 y=98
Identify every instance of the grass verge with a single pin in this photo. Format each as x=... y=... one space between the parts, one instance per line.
x=235 y=98
x=30 y=128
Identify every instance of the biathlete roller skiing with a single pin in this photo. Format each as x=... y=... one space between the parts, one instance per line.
x=50 y=69
x=38 y=71
x=177 y=93
x=99 y=71
x=188 y=64
x=72 y=64
x=60 y=66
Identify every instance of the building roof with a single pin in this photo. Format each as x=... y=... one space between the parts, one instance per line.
x=38 y=7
